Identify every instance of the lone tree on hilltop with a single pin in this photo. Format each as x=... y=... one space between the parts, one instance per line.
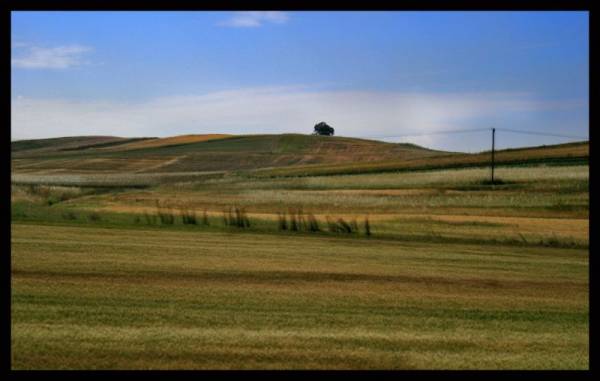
x=323 y=128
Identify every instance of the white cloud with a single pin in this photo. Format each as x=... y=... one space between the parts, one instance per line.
x=59 y=57
x=250 y=19
x=270 y=110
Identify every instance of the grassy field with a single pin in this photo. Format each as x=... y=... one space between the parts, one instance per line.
x=204 y=153
x=124 y=267
x=91 y=298
x=574 y=153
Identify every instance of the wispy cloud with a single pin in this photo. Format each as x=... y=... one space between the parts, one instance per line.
x=272 y=110
x=252 y=19
x=58 y=57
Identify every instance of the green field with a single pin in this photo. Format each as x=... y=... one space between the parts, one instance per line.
x=231 y=153
x=115 y=298
x=453 y=272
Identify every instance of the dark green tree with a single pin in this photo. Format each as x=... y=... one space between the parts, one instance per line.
x=323 y=128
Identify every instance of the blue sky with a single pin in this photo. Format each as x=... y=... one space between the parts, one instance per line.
x=365 y=73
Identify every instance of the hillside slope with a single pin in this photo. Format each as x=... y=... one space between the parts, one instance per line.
x=71 y=143
x=264 y=155
x=213 y=153
x=553 y=154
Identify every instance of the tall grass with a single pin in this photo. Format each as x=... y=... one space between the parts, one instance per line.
x=354 y=225
x=282 y=221
x=313 y=224
x=237 y=217
x=165 y=214
x=205 y=218
x=340 y=225
x=227 y=216
x=188 y=217
x=344 y=226
x=293 y=221
x=367 y=226
x=150 y=218
x=299 y=221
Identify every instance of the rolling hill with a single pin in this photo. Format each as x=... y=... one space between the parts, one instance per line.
x=263 y=155
x=202 y=153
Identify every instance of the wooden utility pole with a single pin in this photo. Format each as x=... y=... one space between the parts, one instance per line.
x=493 y=147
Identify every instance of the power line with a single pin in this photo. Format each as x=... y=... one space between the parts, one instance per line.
x=541 y=133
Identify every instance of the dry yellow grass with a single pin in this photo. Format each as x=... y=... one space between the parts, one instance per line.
x=571 y=227
x=575 y=150
x=451 y=225
x=93 y=298
x=444 y=281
